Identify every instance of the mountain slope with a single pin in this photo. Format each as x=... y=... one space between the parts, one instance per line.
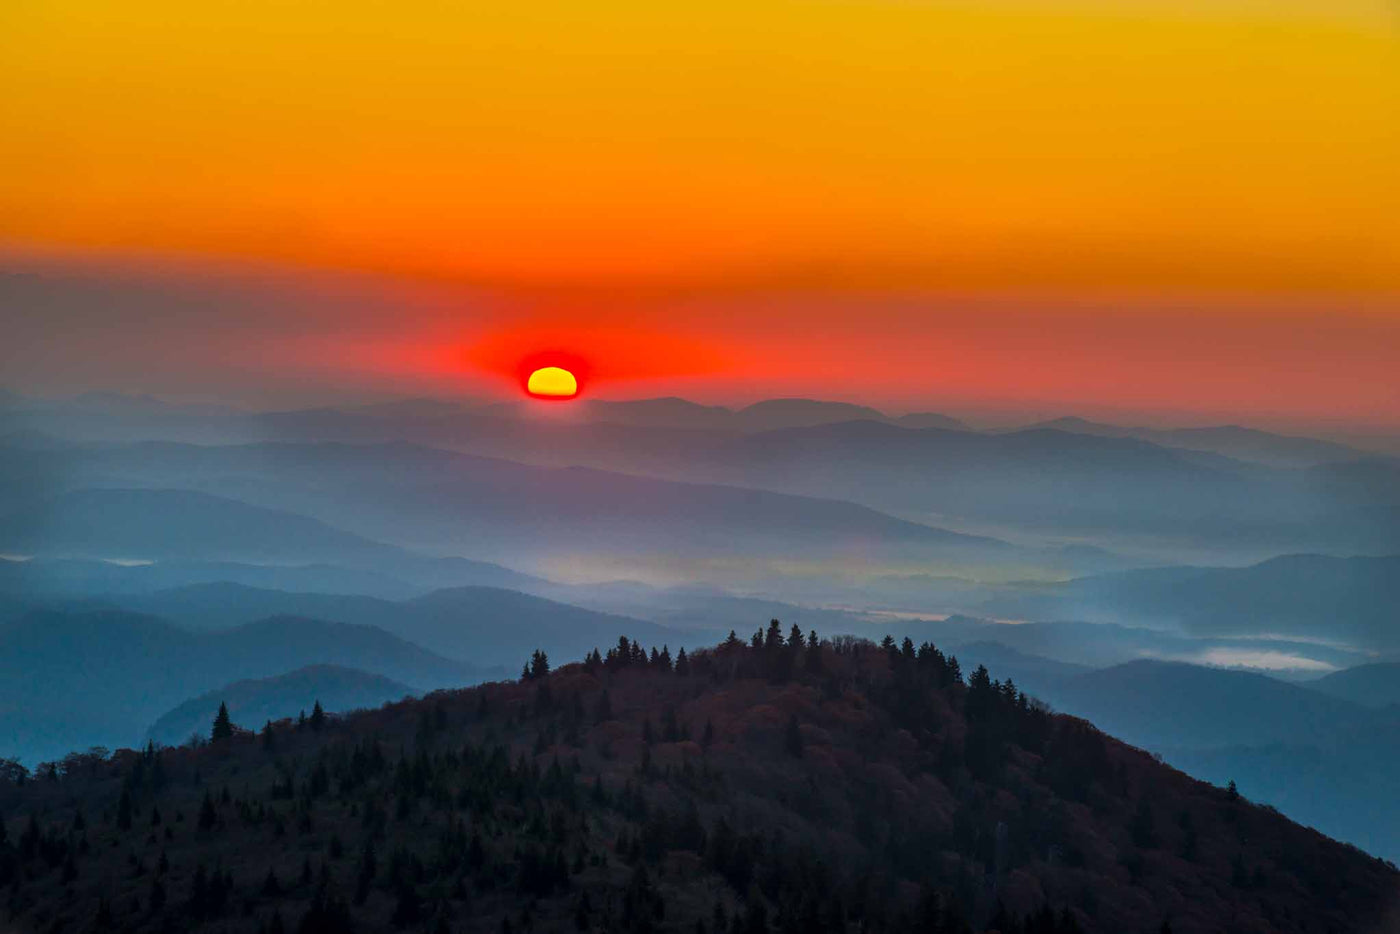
x=253 y=702
x=1348 y=600
x=77 y=679
x=185 y=525
x=778 y=788
x=481 y=625
x=1375 y=685
x=438 y=501
x=1322 y=760
x=1170 y=704
x=1235 y=441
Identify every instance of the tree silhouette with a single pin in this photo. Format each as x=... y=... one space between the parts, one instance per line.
x=223 y=726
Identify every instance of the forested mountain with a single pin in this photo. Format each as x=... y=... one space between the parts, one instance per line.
x=1323 y=760
x=768 y=785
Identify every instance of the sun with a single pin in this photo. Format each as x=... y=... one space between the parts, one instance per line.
x=552 y=382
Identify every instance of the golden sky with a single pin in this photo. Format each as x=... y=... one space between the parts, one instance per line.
x=1231 y=158
x=1135 y=144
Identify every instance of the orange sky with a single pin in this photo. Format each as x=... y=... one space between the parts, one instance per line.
x=1189 y=206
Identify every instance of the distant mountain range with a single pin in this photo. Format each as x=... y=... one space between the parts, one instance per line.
x=1233 y=489
x=485 y=626
x=251 y=703
x=1344 y=600
x=69 y=680
x=1235 y=441
x=429 y=500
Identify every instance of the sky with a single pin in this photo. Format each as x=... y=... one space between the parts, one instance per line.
x=1186 y=209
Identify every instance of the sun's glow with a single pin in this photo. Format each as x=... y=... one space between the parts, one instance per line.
x=552 y=382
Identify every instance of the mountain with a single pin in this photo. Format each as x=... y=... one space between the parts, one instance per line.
x=773 y=414
x=1374 y=685
x=183 y=526
x=499 y=624
x=1234 y=441
x=103 y=675
x=1031 y=673
x=1037 y=479
x=429 y=500
x=481 y=625
x=781 y=788
x=1103 y=645
x=767 y=415
x=1325 y=761
x=252 y=703
x=931 y=420
x=157 y=524
x=669 y=412
x=1052 y=486
x=46 y=578
x=409 y=408
x=1172 y=704
x=1344 y=600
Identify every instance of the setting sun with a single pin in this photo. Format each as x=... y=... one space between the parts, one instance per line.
x=552 y=382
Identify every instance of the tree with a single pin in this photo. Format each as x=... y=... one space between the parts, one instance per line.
x=539 y=665
x=223 y=726
x=12 y=771
x=318 y=716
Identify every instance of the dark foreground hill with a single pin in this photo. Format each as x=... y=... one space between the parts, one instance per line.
x=774 y=786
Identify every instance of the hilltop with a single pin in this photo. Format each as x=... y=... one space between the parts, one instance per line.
x=775 y=784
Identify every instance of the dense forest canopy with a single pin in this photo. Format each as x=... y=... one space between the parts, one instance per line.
x=779 y=783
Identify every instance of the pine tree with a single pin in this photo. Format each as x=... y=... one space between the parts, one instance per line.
x=538 y=666
x=318 y=716
x=223 y=726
